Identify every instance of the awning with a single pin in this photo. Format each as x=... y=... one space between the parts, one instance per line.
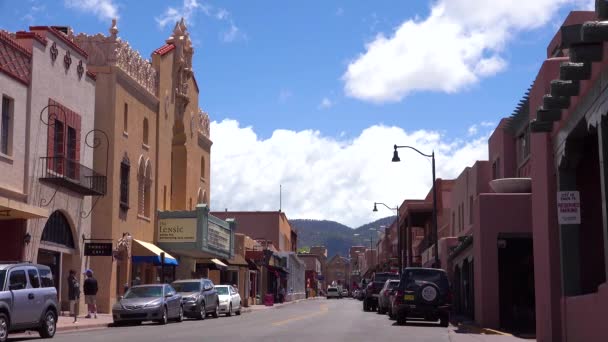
x=213 y=264
x=11 y=209
x=237 y=260
x=145 y=252
x=252 y=265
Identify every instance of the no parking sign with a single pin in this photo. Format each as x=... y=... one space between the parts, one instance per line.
x=568 y=207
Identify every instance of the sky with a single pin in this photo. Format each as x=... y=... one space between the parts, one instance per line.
x=312 y=95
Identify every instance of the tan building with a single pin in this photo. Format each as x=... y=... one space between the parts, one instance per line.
x=338 y=271
x=149 y=110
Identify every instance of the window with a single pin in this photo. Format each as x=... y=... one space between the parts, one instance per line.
x=496 y=169
x=125 y=170
x=34 y=280
x=46 y=278
x=147 y=185
x=144 y=176
x=523 y=143
x=125 y=119
x=164 y=197
x=57 y=230
x=471 y=210
x=71 y=164
x=17 y=280
x=190 y=203
x=58 y=147
x=145 y=131
x=202 y=167
x=5 y=126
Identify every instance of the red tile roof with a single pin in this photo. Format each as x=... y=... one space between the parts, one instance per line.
x=33 y=35
x=15 y=61
x=164 y=49
x=62 y=37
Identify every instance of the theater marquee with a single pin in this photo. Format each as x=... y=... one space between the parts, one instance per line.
x=177 y=230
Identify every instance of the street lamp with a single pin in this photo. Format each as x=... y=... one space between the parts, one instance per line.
x=399 y=262
x=435 y=234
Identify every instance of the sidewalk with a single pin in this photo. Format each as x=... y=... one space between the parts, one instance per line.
x=66 y=323
x=464 y=327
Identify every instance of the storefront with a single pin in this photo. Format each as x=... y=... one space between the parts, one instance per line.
x=198 y=240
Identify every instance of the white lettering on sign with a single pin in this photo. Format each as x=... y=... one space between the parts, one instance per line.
x=177 y=230
x=568 y=207
x=218 y=237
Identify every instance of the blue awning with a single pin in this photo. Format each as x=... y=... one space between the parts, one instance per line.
x=145 y=252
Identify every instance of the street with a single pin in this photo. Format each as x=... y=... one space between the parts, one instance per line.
x=318 y=320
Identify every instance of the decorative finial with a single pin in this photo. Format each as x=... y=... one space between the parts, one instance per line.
x=113 y=29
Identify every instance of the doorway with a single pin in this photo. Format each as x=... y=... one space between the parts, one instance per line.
x=516 y=284
x=51 y=259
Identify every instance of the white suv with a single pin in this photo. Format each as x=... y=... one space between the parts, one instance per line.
x=333 y=292
x=28 y=300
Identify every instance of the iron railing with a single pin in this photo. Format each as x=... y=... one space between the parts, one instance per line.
x=72 y=175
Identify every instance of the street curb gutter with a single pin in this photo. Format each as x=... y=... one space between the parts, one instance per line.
x=82 y=327
x=479 y=330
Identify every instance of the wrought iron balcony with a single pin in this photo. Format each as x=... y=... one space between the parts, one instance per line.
x=72 y=175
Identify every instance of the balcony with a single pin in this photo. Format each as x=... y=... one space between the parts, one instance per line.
x=72 y=175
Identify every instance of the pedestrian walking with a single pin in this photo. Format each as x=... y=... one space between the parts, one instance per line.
x=282 y=295
x=90 y=292
x=73 y=294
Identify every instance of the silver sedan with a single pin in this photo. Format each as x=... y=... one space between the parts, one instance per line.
x=230 y=299
x=158 y=302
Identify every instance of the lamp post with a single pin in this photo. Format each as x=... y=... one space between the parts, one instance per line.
x=435 y=234
x=399 y=257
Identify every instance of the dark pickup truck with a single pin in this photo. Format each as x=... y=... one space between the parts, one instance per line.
x=370 y=300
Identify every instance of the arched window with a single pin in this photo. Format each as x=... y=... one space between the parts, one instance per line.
x=202 y=167
x=141 y=170
x=145 y=131
x=57 y=230
x=125 y=170
x=199 y=196
x=147 y=186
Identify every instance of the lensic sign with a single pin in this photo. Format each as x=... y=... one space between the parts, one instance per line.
x=177 y=230
x=568 y=207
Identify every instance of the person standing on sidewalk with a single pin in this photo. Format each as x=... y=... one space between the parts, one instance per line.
x=73 y=294
x=90 y=291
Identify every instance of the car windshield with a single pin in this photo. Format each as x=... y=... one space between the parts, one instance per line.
x=383 y=277
x=433 y=276
x=332 y=290
x=2 y=277
x=144 y=292
x=393 y=284
x=183 y=287
x=222 y=290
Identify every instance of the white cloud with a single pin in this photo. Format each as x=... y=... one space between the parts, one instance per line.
x=222 y=14
x=233 y=33
x=488 y=124
x=186 y=11
x=459 y=43
x=326 y=177
x=103 y=9
x=472 y=130
x=326 y=103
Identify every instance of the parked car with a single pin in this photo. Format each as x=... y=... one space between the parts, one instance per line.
x=156 y=302
x=383 y=296
x=332 y=292
x=356 y=293
x=423 y=293
x=344 y=293
x=230 y=300
x=28 y=300
x=199 y=297
x=370 y=300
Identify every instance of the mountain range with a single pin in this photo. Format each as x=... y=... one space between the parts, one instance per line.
x=337 y=237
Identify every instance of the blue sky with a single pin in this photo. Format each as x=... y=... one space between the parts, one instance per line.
x=334 y=70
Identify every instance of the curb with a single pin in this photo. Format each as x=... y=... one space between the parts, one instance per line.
x=82 y=327
x=482 y=331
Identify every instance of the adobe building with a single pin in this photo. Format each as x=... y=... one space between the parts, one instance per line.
x=138 y=101
x=321 y=251
x=49 y=147
x=312 y=266
x=355 y=267
x=338 y=272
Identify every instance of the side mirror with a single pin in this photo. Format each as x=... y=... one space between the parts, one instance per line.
x=121 y=298
x=168 y=295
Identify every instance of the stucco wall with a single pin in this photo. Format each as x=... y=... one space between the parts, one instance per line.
x=494 y=214
x=12 y=166
x=586 y=316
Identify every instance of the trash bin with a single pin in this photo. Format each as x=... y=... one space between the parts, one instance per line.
x=269 y=299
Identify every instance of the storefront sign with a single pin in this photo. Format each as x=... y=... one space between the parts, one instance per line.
x=98 y=249
x=568 y=207
x=218 y=237
x=177 y=230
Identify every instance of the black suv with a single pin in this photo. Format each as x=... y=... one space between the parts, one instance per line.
x=370 y=299
x=423 y=293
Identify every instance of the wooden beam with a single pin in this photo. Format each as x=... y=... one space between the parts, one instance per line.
x=569 y=71
x=594 y=31
x=548 y=115
x=601 y=9
x=586 y=52
x=571 y=34
x=556 y=102
x=541 y=126
x=565 y=88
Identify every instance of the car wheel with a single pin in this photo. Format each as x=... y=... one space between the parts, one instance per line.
x=444 y=320
x=4 y=323
x=180 y=316
x=229 y=313
x=202 y=314
x=49 y=325
x=163 y=319
x=216 y=312
x=401 y=319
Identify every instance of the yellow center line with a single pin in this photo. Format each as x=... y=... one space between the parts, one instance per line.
x=323 y=310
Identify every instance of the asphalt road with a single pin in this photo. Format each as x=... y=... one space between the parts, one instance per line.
x=311 y=321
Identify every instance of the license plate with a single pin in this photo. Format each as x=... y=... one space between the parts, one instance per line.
x=408 y=297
